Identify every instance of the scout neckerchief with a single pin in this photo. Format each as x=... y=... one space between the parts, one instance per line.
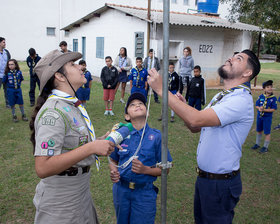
x=14 y=74
x=57 y=94
x=122 y=61
x=265 y=102
x=138 y=75
x=245 y=85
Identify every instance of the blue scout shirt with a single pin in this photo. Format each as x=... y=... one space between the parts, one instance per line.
x=88 y=77
x=13 y=79
x=271 y=103
x=149 y=153
x=220 y=148
x=31 y=63
x=138 y=77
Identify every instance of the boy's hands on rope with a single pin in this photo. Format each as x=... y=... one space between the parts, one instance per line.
x=138 y=167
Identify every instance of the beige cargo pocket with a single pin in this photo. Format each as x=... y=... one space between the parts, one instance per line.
x=40 y=189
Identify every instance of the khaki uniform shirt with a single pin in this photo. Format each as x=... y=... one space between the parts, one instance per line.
x=60 y=128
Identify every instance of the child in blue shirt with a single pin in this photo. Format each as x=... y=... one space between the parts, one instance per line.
x=13 y=78
x=138 y=78
x=266 y=105
x=134 y=194
x=83 y=92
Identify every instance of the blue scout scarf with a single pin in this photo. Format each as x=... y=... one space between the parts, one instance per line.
x=57 y=94
x=245 y=85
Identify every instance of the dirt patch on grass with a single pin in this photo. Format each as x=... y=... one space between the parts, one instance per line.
x=270 y=71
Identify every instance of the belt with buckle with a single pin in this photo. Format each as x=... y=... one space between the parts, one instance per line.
x=214 y=176
x=73 y=171
x=132 y=185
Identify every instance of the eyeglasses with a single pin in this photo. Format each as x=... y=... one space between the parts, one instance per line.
x=11 y=64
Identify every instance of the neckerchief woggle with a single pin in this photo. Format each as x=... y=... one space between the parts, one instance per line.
x=245 y=85
x=57 y=94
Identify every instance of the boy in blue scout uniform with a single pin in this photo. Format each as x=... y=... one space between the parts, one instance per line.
x=133 y=191
x=266 y=105
x=138 y=78
x=13 y=78
x=83 y=92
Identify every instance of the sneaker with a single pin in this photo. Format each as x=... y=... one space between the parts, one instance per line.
x=15 y=118
x=122 y=101
x=8 y=106
x=111 y=113
x=277 y=127
x=24 y=118
x=263 y=150
x=32 y=104
x=256 y=146
x=157 y=101
x=172 y=119
x=106 y=112
x=160 y=118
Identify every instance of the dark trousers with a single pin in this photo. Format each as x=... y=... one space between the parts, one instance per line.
x=155 y=94
x=33 y=80
x=214 y=200
x=195 y=102
x=5 y=91
x=181 y=83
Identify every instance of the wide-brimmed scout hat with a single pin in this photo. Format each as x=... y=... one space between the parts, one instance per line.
x=51 y=63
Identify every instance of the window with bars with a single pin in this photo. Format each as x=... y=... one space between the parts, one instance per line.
x=99 y=47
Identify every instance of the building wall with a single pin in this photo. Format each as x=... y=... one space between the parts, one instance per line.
x=23 y=23
x=210 y=47
x=118 y=31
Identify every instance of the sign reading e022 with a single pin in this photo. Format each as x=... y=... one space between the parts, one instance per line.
x=203 y=48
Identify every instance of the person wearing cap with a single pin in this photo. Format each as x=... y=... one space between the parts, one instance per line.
x=266 y=104
x=64 y=143
x=134 y=194
x=224 y=125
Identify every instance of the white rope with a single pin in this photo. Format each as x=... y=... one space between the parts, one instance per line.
x=126 y=163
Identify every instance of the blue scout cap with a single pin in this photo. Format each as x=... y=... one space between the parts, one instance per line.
x=267 y=83
x=135 y=96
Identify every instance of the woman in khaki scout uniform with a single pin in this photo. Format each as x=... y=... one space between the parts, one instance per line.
x=64 y=144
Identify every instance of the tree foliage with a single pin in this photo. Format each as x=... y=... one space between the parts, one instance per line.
x=263 y=13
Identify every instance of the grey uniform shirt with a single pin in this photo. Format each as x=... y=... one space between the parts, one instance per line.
x=60 y=128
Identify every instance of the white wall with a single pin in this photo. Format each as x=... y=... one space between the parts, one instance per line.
x=23 y=23
x=210 y=46
x=109 y=25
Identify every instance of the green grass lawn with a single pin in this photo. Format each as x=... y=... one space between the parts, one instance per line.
x=259 y=203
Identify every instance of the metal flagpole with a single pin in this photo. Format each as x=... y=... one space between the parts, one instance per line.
x=164 y=166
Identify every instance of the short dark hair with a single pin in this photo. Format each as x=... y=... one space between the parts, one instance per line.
x=32 y=52
x=253 y=62
x=139 y=58
x=63 y=43
x=171 y=63
x=1 y=39
x=108 y=57
x=7 y=66
x=151 y=50
x=197 y=67
x=82 y=62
